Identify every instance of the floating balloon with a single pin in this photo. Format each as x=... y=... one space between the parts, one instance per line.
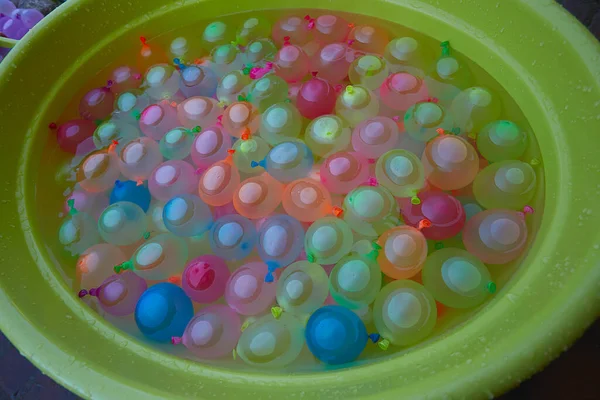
x=506 y=184
x=247 y=292
x=302 y=288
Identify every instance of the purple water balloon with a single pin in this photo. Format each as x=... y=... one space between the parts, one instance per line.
x=119 y=293
x=14 y=29
x=30 y=17
x=7 y=7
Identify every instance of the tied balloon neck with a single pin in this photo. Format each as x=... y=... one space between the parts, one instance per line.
x=276 y=312
x=445 y=48
x=127 y=265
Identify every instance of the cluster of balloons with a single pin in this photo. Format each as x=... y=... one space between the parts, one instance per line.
x=297 y=180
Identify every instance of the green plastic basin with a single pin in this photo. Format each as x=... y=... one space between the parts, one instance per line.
x=544 y=59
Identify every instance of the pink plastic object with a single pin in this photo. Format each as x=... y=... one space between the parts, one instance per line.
x=402 y=90
x=291 y=29
x=241 y=118
x=171 y=179
x=375 y=136
x=258 y=196
x=450 y=162
x=72 y=133
x=210 y=146
x=247 y=292
x=218 y=183
x=139 y=158
x=125 y=78
x=204 y=278
x=344 y=171
x=330 y=28
x=90 y=203
x=158 y=119
x=118 y=294
x=212 y=333
x=316 y=97
x=96 y=264
x=198 y=111
x=291 y=63
x=496 y=236
x=445 y=213
x=332 y=61
x=97 y=104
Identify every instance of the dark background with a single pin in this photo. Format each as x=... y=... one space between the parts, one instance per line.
x=574 y=375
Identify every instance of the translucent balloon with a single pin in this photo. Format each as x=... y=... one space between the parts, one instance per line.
x=287 y=161
x=302 y=288
x=371 y=210
x=158 y=119
x=450 y=75
x=330 y=28
x=129 y=106
x=403 y=252
x=496 y=236
x=457 y=278
x=125 y=78
x=162 y=81
x=356 y=104
x=122 y=223
x=226 y=58
x=184 y=50
x=118 y=294
x=293 y=27
x=333 y=61
x=335 y=335
x=218 y=183
x=233 y=237
x=97 y=104
x=248 y=152
x=73 y=133
x=198 y=111
x=205 y=278
x=280 y=239
x=423 y=120
x=327 y=240
x=95 y=265
x=315 y=98
x=177 y=143
x=401 y=90
x=369 y=71
x=270 y=342
x=247 y=292
x=444 y=212
x=507 y=184
x=404 y=312
x=231 y=86
x=501 y=140
x=369 y=39
x=400 y=172
x=450 y=162
x=132 y=192
x=241 y=119
x=407 y=54
x=306 y=200
x=98 y=171
x=292 y=63
x=474 y=108
x=163 y=311
x=210 y=146
x=78 y=233
x=280 y=123
x=258 y=196
x=375 y=136
x=114 y=132
x=355 y=281
x=158 y=258
x=198 y=80
x=172 y=178
x=87 y=202
x=187 y=215
x=217 y=33
x=326 y=135
x=265 y=92
x=252 y=28
x=212 y=333
x=139 y=158
x=343 y=171
x=259 y=50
